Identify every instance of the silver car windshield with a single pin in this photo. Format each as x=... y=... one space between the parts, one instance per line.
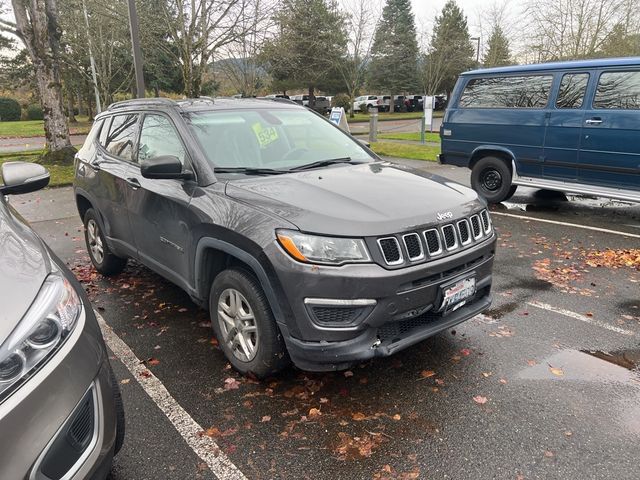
x=277 y=139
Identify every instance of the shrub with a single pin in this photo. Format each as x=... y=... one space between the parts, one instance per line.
x=9 y=110
x=342 y=100
x=34 y=112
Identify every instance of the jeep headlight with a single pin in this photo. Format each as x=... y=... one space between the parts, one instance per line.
x=323 y=250
x=43 y=329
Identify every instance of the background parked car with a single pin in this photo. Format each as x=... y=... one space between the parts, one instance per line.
x=415 y=103
x=365 y=103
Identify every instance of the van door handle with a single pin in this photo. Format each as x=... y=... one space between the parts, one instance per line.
x=593 y=121
x=94 y=166
x=133 y=183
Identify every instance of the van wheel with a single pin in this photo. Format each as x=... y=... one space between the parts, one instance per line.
x=491 y=178
x=244 y=325
x=105 y=261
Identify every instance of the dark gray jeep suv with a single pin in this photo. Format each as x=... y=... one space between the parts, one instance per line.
x=302 y=244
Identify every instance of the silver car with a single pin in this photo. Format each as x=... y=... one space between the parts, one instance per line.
x=61 y=413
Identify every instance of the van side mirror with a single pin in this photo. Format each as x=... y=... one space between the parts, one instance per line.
x=164 y=166
x=23 y=177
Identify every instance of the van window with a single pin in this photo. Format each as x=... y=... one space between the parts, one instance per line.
x=572 y=89
x=121 y=137
x=620 y=90
x=531 y=91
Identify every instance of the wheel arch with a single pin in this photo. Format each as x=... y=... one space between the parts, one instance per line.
x=493 y=151
x=214 y=255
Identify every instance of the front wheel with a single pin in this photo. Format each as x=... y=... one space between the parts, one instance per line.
x=244 y=325
x=491 y=178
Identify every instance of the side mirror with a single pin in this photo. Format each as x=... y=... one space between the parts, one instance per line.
x=165 y=166
x=23 y=177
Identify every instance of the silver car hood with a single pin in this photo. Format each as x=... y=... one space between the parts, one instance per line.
x=24 y=264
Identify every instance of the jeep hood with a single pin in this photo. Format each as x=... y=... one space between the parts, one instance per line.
x=24 y=264
x=356 y=200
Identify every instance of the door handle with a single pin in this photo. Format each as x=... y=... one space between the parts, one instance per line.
x=593 y=121
x=133 y=183
x=94 y=166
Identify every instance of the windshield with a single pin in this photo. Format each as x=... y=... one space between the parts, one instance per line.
x=277 y=139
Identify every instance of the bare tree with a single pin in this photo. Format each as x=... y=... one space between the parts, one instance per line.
x=37 y=27
x=239 y=61
x=199 y=28
x=562 y=29
x=362 y=17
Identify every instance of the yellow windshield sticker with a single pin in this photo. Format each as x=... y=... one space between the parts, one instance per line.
x=265 y=136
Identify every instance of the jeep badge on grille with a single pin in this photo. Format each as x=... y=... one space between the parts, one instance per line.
x=444 y=216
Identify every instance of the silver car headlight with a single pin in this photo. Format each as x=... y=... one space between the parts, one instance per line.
x=44 y=328
x=323 y=250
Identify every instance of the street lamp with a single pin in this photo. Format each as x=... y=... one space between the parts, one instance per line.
x=478 y=49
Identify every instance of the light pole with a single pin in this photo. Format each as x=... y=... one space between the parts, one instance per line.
x=477 y=49
x=135 y=44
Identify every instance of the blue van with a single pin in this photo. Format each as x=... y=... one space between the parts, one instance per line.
x=566 y=126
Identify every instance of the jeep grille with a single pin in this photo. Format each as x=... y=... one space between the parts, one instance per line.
x=413 y=247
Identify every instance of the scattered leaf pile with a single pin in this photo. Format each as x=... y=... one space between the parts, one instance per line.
x=613 y=258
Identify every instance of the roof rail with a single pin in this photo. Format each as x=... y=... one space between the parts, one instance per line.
x=141 y=101
x=191 y=101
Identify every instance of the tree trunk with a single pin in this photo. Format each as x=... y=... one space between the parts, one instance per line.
x=70 y=114
x=81 y=110
x=392 y=104
x=37 y=27
x=312 y=97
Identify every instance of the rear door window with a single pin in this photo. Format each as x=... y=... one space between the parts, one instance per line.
x=122 y=135
x=531 y=91
x=618 y=90
x=572 y=89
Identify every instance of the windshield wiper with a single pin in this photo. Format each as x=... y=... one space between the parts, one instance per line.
x=249 y=170
x=321 y=163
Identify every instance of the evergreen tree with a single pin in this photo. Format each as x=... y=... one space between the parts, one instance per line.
x=312 y=40
x=394 y=55
x=451 y=50
x=498 y=52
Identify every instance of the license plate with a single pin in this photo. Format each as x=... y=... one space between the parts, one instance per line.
x=455 y=296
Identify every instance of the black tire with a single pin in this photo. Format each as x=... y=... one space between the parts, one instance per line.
x=109 y=264
x=270 y=353
x=491 y=178
x=120 y=423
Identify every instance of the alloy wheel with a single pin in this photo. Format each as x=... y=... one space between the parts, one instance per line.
x=238 y=324
x=95 y=241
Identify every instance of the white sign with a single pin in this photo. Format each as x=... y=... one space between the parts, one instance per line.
x=338 y=117
x=428 y=105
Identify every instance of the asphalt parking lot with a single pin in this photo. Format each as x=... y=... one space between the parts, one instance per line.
x=544 y=385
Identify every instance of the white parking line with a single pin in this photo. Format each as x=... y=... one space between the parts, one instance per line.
x=567 y=224
x=582 y=318
x=188 y=428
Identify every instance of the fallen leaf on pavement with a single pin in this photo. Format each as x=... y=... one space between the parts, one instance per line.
x=314 y=412
x=531 y=363
x=427 y=373
x=124 y=381
x=548 y=453
x=359 y=416
x=231 y=384
x=556 y=371
x=396 y=417
x=466 y=352
x=153 y=361
x=266 y=418
x=480 y=400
